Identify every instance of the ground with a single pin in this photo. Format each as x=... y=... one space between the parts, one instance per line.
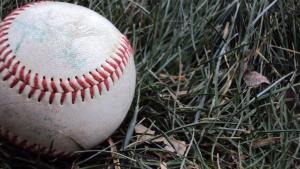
x=194 y=100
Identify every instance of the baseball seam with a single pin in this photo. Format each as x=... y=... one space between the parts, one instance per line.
x=40 y=87
x=77 y=88
x=32 y=147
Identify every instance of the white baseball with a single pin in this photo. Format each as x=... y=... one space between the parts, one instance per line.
x=67 y=77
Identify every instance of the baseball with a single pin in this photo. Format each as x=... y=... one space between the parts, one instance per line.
x=67 y=77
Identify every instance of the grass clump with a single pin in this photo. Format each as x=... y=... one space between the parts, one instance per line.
x=189 y=58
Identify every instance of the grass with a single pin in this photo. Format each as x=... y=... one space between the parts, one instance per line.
x=189 y=58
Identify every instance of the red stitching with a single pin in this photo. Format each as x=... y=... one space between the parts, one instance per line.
x=103 y=75
x=25 y=144
x=31 y=92
x=36 y=81
x=106 y=68
x=63 y=96
x=3 y=49
x=6 y=55
x=6 y=23
x=77 y=86
x=22 y=87
x=14 y=83
x=45 y=84
x=2 y=68
x=92 y=92
x=111 y=69
x=9 y=62
x=63 y=86
x=81 y=83
x=74 y=96
x=21 y=75
x=96 y=77
x=27 y=78
x=15 y=68
x=82 y=94
x=3 y=34
x=41 y=96
x=89 y=81
x=51 y=99
x=106 y=83
x=73 y=85
x=7 y=76
x=53 y=86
